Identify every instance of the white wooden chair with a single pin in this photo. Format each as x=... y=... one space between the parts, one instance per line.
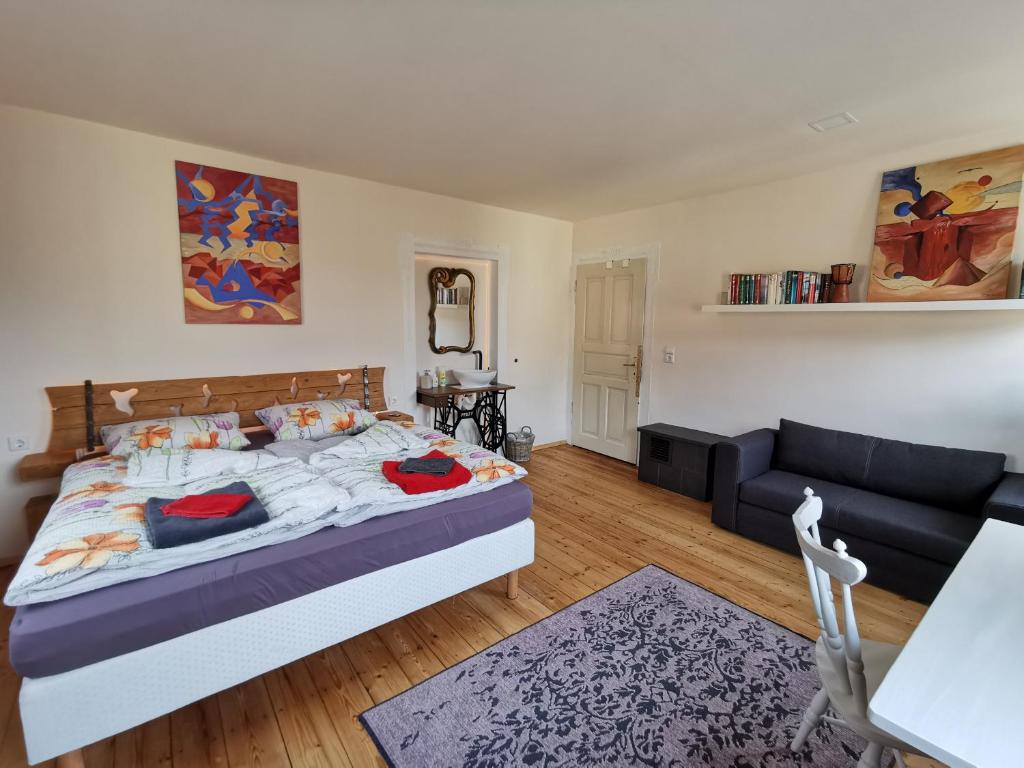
x=850 y=669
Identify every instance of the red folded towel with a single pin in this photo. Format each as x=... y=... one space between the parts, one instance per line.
x=207 y=505
x=416 y=483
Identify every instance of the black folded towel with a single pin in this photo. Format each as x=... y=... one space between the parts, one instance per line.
x=171 y=531
x=439 y=467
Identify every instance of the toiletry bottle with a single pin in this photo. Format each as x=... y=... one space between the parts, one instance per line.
x=442 y=377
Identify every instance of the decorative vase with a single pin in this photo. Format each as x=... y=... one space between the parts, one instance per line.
x=842 y=276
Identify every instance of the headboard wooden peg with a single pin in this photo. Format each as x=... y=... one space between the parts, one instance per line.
x=321 y=395
x=176 y=409
x=234 y=405
x=343 y=379
x=207 y=395
x=294 y=389
x=277 y=400
x=123 y=400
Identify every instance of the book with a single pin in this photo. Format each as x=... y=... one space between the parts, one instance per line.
x=827 y=290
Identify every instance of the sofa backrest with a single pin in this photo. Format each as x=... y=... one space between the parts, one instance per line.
x=951 y=478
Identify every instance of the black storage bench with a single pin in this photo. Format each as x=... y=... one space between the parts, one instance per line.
x=678 y=459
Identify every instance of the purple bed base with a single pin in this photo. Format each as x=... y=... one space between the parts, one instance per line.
x=48 y=638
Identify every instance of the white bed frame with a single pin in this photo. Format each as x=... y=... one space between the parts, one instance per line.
x=62 y=713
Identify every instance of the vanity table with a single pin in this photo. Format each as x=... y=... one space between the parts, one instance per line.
x=488 y=412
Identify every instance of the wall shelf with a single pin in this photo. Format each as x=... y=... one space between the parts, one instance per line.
x=979 y=305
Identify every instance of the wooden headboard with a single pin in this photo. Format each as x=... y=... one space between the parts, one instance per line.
x=118 y=403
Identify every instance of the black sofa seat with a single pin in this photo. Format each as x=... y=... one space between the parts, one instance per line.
x=931 y=532
x=908 y=511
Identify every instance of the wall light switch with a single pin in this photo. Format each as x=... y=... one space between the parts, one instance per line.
x=17 y=443
x=670 y=354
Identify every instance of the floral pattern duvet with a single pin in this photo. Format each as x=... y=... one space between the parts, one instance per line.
x=95 y=534
x=374 y=495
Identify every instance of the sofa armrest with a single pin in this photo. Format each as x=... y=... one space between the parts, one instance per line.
x=737 y=460
x=1007 y=501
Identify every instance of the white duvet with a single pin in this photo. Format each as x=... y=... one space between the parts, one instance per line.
x=95 y=535
x=357 y=469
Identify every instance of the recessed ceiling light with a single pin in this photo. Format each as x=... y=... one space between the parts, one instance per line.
x=832 y=122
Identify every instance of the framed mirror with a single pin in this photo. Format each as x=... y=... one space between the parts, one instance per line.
x=452 y=303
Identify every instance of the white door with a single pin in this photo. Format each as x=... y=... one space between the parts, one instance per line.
x=607 y=357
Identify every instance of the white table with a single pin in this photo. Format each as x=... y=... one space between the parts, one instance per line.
x=956 y=692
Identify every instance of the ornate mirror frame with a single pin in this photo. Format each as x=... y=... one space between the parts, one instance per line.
x=445 y=278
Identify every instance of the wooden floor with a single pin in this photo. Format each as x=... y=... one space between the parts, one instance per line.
x=595 y=524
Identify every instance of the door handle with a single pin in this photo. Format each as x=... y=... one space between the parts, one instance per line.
x=639 y=368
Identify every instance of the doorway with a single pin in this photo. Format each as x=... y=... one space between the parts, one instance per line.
x=608 y=356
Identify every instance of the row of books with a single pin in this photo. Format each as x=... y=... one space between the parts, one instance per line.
x=791 y=287
x=451 y=296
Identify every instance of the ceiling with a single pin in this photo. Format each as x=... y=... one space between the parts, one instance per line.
x=568 y=108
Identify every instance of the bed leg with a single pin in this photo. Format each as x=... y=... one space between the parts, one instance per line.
x=71 y=760
x=512 y=584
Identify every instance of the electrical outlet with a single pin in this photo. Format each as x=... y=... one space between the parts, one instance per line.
x=393 y=401
x=670 y=354
x=17 y=443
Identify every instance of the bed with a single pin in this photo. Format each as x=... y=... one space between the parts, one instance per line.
x=109 y=659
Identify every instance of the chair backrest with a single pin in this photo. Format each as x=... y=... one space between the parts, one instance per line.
x=823 y=565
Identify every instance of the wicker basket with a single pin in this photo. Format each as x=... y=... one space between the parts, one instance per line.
x=519 y=445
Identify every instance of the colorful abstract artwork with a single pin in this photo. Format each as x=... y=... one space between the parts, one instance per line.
x=945 y=230
x=239 y=246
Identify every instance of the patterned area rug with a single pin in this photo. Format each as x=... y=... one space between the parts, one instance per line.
x=651 y=670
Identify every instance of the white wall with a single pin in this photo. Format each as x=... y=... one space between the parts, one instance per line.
x=91 y=282
x=952 y=379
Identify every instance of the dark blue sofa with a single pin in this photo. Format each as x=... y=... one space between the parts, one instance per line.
x=908 y=511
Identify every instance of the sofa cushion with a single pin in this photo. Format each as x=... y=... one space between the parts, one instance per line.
x=923 y=530
x=952 y=478
x=932 y=532
x=828 y=454
x=783 y=492
x=943 y=477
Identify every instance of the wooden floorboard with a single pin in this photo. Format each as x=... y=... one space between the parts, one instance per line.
x=595 y=524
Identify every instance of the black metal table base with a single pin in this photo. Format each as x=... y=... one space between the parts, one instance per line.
x=488 y=413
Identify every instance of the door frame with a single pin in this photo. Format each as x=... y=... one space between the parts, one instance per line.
x=651 y=252
x=409 y=245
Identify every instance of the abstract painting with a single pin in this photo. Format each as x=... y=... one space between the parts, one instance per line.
x=239 y=246
x=945 y=230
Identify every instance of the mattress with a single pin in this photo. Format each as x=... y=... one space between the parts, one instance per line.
x=50 y=638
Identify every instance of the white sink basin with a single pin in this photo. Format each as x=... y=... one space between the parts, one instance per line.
x=470 y=378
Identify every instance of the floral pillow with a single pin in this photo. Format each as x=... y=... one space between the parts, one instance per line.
x=213 y=430
x=316 y=420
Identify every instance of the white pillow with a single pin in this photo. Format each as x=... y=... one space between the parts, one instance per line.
x=163 y=468
x=385 y=438
x=303 y=449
